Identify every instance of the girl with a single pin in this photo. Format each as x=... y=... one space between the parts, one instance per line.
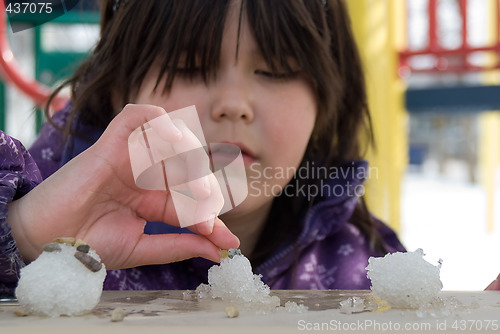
x=282 y=80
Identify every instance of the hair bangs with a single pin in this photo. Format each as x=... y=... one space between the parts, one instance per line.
x=286 y=31
x=191 y=46
x=178 y=37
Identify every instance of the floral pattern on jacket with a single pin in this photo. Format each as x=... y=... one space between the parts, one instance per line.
x=18 y=175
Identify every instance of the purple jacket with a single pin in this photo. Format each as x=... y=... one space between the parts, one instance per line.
x=18 y=175
x=330 y=253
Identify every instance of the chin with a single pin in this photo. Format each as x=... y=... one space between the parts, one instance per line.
x=250 y=206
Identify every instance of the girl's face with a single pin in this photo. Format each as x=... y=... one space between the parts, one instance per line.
x=268 y=115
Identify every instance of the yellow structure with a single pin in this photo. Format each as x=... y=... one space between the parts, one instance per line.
x=379 y=29
x=489 y=160
x=489 y=127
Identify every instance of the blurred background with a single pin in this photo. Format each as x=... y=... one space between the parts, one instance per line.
x=432 y=69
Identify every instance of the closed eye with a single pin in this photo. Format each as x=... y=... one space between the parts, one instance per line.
x=191 y=74
x=187 y=71
x=277 y=75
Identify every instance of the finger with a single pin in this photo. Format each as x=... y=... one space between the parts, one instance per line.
x=175 y=171
x=208 y=208
x=156 y=205
x=131 y=117
x=165 y=128
x=206 y=227
x=221 y=236
x=186 y=172
x=115 y=138
x=495 y=285
x=198 y=170
x=167 y=248
x=136 y=115
x=197 y=162
x=149 y=144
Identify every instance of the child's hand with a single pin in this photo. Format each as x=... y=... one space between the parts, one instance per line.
x=495 y=285
x=94 y=198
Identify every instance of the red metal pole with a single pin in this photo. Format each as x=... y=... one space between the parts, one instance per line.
x=497 y=11
x=463 y=14
x=465 y=43
x=433 y=37
x=11 y=72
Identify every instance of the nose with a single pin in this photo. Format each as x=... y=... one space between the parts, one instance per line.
x=232 y=101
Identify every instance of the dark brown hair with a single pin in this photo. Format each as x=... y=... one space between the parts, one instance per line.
x=316 y=33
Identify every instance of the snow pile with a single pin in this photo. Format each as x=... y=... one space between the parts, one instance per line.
x=234 y=281
x=63 y=280
x=404 y=280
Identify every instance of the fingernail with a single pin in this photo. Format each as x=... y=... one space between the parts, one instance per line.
x=211 y=220
x=210 y=223
x=207 y=227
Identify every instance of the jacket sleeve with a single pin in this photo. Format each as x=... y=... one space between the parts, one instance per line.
x=47 y=150
x=18 y=175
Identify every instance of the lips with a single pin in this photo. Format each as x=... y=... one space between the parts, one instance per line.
x=225 y=152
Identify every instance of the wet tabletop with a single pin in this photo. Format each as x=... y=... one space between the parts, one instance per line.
x=181 y=312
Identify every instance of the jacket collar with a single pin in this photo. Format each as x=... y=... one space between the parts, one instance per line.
x=340 y=194
x=333 y=209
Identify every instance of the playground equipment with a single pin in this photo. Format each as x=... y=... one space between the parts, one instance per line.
x=12 y=73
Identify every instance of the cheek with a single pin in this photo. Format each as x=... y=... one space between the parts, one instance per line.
x=292 y=129
x=299 y=108
x=289 y=141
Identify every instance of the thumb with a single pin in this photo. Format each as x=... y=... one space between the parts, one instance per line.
x=133 y=116
x=495 y=285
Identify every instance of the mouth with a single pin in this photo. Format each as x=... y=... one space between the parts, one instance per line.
x=224 y=152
